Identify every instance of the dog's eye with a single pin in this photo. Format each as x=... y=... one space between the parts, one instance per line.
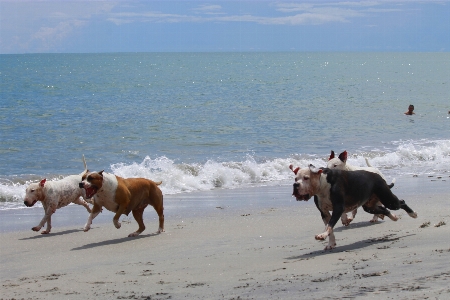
x=335 y=165
x=306 y=178
x=32 y=191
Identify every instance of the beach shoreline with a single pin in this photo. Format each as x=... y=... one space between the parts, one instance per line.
x=251 y=243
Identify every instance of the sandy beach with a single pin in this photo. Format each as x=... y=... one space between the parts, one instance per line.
x=253 y=243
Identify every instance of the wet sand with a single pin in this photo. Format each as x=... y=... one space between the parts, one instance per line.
x=255 y=243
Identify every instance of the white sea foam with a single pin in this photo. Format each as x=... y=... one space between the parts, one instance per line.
x=179 y=178
x=421 y=157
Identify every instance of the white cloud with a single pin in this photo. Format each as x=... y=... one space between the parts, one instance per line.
x=46 y=25
x=311 y=13
x=42 y=26
x=209 y=9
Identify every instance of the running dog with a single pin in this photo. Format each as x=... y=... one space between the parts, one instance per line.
x=340 y=163
x=122 y=196
x=54 y=195
x=343 y=191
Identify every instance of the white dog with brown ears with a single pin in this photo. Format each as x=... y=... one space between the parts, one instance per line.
x=340 y=163
x=54 y=195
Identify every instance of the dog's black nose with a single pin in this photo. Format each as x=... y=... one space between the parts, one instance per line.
x=296 y=185
x=81 y=185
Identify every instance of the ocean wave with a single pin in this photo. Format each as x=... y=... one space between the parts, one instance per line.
x=179 y=178
x=405 y=158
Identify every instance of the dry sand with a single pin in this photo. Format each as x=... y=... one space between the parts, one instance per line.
x=244 y=244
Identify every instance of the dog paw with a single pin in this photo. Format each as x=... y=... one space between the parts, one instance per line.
x=347 y=222
x=45 y=232
x=330 y=247
x=413 y=215
x=86 y=229
x=117 y=224
x=37 y=228
x=320 y=237
x=393 y=217
x=160 y=230
x=133 y=234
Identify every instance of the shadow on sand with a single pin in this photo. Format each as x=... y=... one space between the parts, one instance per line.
x=115 y=241
x=52 y=234
x=350 y=247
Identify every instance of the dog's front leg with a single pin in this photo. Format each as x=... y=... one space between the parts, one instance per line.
x=338 y=210
x=96 y=209
x=331 y=240
x=345 y=220
x=80 y=201
x=323 y=212
x=49 y=225
x=121 y=210
x=49 y=210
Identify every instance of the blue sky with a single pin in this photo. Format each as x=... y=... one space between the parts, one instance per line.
x=149 y=26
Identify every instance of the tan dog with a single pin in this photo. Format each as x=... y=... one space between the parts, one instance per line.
x=122 y=196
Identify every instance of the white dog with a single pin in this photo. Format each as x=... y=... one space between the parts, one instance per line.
x=54 y=195
x=340 y=163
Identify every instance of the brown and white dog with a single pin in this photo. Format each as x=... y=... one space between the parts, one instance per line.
x=340 y=163
x=54 y=195
x=343 y=191
x=122 y=196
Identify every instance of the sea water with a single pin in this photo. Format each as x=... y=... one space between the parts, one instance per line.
x=206 y=121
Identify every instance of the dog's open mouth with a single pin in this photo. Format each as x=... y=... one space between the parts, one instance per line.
x=299 y=197
x=90 y=191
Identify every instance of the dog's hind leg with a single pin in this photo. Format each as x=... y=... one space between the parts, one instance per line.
x=379 y=210
x=406 y=208
x=391 y=201
x=161 y=220
x=160 y=211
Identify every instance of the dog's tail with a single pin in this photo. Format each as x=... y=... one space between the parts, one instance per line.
x=84 y=162
x=158 y=183
x=392 y=184
x=367 y=163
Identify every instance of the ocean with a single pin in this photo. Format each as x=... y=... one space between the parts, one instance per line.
x=207 y=121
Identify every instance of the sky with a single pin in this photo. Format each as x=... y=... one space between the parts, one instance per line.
x=240 y=26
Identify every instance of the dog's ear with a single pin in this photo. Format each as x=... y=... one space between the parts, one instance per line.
x=42 y=183
x=101 y=173
x=315 y=170
x=332 y=155
x=294 y=170
x=343 y=156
